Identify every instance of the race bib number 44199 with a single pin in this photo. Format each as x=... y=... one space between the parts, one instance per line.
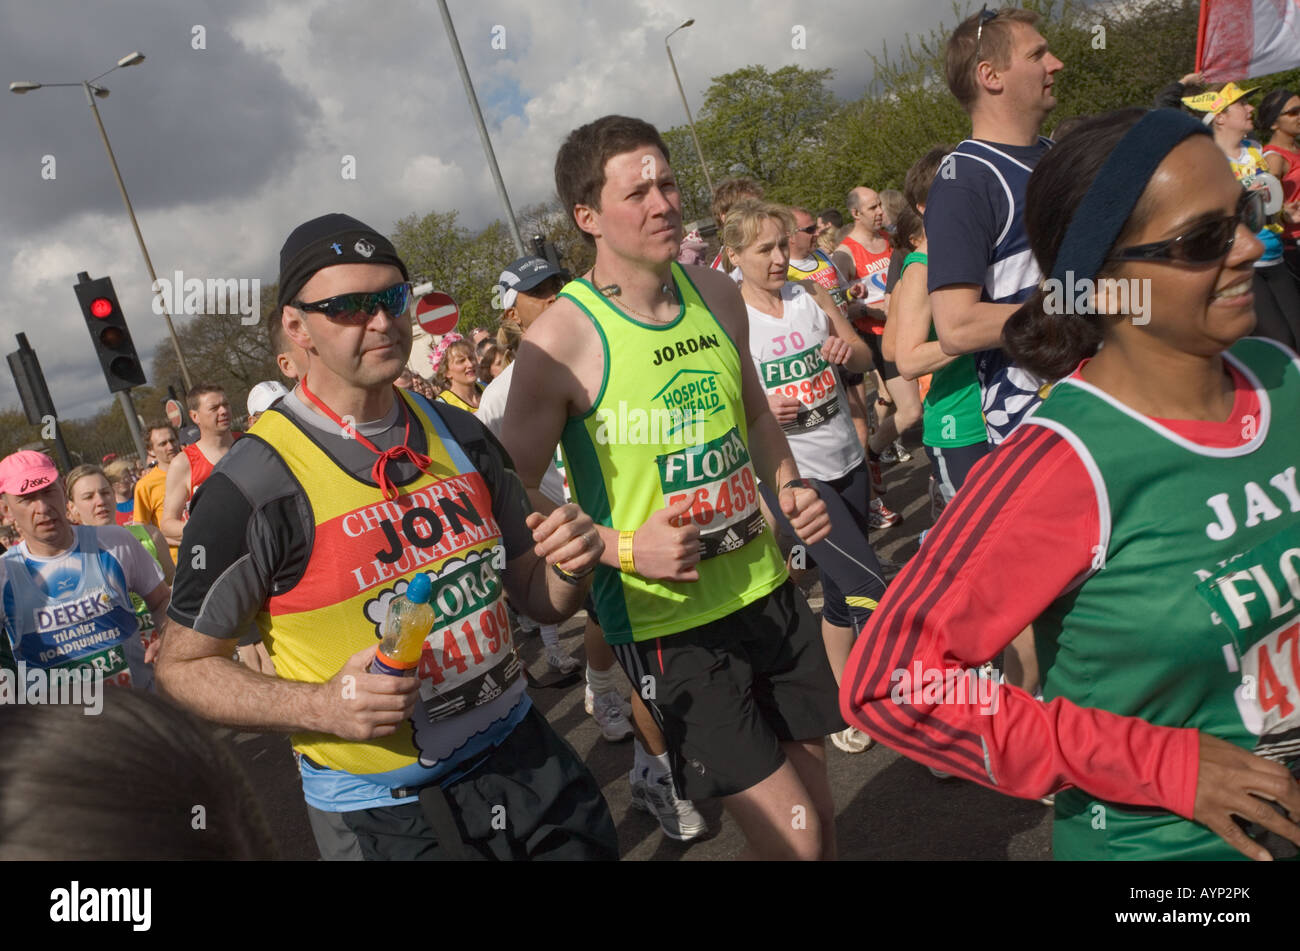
x=718 y=478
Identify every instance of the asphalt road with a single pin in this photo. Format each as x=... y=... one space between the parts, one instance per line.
x=887 y=807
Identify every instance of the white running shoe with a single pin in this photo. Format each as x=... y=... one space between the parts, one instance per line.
x=678 y=818
x=589 y=702
x=852 y=740
x=613 y=723
x=559 y=661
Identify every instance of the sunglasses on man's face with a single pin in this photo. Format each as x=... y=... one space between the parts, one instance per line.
x=1208 y=241
x=356 y=309
x=811 y=229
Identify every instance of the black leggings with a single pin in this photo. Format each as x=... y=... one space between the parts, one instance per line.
x=852 y=580
x=1277 y=304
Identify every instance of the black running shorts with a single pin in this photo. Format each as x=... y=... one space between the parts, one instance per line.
x=726 y=694
x=532 y=798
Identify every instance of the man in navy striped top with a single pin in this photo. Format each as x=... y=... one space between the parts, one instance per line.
x=981 y=268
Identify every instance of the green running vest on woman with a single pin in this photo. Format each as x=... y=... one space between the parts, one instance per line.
x=1189 y=616
x=952 y=417
x=148 y=629
x=667 y=425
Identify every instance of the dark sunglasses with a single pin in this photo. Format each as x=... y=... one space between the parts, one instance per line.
x=1208 y=241
x=356 y=309
x=986 y=15
x=1291 y=112
x=811 y=229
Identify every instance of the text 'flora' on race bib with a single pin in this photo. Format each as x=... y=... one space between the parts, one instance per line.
x=469 y=657
x=808 y=378
x=144 y=617
x=1260 y=593
x=719 y=480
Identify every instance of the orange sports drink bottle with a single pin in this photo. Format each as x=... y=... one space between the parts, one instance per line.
x=410 y=619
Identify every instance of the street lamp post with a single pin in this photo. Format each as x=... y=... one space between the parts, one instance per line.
x=91 y=91
x=695 y=138
x=502 y=194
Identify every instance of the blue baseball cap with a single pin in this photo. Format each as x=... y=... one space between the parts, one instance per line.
x=524 y=274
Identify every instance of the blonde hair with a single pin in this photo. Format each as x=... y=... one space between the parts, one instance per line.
x=509 y=336
x=115 y=472
x=79 y=473
x=461 y=345
x=745 y=220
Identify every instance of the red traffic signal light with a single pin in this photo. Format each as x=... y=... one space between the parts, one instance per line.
x=109 y=333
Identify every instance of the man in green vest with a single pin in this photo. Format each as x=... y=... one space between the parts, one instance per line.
x=641 y=372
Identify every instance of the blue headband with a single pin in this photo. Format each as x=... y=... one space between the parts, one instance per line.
x=1111 y=197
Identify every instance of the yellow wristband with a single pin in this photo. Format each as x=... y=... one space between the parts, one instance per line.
x=625 y=562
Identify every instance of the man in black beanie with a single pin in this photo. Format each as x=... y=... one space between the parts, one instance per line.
x=316 y=524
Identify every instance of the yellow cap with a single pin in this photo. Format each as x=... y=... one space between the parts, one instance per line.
x=1215 y=102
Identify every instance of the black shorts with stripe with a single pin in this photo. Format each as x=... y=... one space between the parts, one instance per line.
x=726 y=694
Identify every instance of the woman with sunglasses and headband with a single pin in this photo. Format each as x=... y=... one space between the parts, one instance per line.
x=1171 y=711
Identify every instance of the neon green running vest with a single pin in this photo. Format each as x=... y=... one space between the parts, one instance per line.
x=668 y=424
x=1191 y=615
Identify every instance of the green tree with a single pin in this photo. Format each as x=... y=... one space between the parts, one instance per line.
x=754 y=123
x=218 y=348
x=461 y=263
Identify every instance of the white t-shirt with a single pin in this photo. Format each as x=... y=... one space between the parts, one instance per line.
x=787 y=355
x=141 y=572
x=492 y=413
x=87 y=596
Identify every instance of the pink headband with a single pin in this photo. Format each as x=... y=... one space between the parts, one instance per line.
x=441 y=346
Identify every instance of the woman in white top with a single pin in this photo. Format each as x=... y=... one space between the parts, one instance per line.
x=797 y=337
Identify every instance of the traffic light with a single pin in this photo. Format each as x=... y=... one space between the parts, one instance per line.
x=33 y=392
x=109 y=332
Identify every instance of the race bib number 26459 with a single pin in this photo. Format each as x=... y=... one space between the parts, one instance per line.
x=718 y=478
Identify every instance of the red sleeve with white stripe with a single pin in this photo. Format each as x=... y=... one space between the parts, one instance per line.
x=1021 y=531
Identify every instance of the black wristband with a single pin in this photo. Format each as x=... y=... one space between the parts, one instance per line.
x=798 y=484
x=570 y=578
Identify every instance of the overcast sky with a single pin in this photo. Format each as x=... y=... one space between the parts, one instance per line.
x=225 y=149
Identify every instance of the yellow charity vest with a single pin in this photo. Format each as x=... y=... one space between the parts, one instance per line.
x=669 y=424
x=364 y=551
